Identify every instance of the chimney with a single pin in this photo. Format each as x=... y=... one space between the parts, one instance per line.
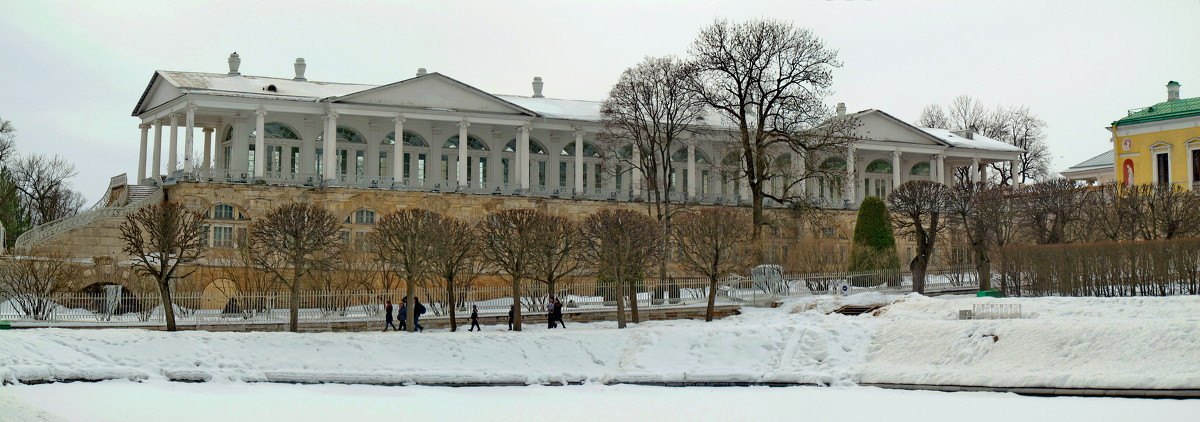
x=300 y=70
x=1172 y=91
x=422 y=72
x=234 y=62
x=841 y=109
x=537 y=87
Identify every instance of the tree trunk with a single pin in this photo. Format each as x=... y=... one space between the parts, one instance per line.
x=164 y=290
x=410 y=308
x=757 y=204
x=620 y=303
x=294 y=307
x=983 y=266
x=712 y=299
x=633 y=301
x=918 y=267
x=516 y=297
x=450 y=300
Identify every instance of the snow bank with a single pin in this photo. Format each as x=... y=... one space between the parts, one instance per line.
x=1059 y=342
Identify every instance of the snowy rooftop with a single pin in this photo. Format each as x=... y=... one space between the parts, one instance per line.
x=977 y=142
x=222 y=84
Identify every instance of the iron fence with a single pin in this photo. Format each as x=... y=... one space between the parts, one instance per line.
x=117 y=305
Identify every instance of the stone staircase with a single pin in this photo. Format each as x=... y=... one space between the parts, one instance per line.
x=851 y=310
x=104 y=213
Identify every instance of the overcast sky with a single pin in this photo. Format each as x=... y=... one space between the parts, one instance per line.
x=72 y=71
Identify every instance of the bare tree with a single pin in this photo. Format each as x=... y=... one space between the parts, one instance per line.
x=42 y=184
x=508 y=239
x=295 y=241
x=8 y=144
x=767 y=79
x=649 y=114
x=238 y=266
x=1166 y=211
x=933 y=116
x=1112 y=212
x=455 y=249
x=405 y=240
x=1050 y=208
x=32 y=281
x=622 y=245
x=1014 y=125
x=557 y=246
x=714 y=242
x=917 y=207
x=161 y=238
x=986 y=217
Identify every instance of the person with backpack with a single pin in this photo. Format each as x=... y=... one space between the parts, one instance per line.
x=475 y=319
x=387 y=317
x=417 y=314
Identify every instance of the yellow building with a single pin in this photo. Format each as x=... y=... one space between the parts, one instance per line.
x=1160 y=144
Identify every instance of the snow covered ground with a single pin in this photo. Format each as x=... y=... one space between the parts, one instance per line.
x=1144 y=343
x=157 y=401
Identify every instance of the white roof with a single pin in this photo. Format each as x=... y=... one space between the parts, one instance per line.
x=223 y=84
x=977 y=142
x=558 y=109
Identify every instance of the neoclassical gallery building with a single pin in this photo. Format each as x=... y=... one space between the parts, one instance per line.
x=236 y=145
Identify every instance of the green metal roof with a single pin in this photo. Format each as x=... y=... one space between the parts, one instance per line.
x=1163 y=111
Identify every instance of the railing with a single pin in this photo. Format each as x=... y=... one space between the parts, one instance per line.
x=118 y=305
x=44 y=232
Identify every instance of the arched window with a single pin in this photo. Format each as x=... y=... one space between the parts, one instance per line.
x=879 y=166
x=346 y=134
x=411 y=139
x=589 y=150
x=276 y=130
x=472 y=143
x=920 y=169
x=833 y=164
x=535 y=147
x=680 y=155
x=229 y=133
x=363 y=216
x=222 y=212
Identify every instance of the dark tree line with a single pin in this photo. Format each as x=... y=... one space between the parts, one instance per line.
x=34 y=188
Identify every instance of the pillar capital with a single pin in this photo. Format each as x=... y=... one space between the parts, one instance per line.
x=145 y=126
x=174 y=118
x=261 y=111
x=191 y=108
x=464 y=123
x=896 y=153
x=209 y=130
x=399 y=118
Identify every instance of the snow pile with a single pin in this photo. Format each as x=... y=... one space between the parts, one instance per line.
x=1059 y=342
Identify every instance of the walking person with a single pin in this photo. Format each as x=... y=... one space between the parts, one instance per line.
x=403 y=316
x=511 y=313
x=387 y=310
x=558 y=312
x=550 y=312
x=475 y=319
x=417 y=314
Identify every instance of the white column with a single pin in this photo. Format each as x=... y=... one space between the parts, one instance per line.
x=189 y=126
x=260 y=143
x=398 y=150
x=208 y=133
x=941 y=168
x=463 y=144
x=895 y=169
x=579 y=160
x=523 y=155
x=172 y=149
x=240 y=150
x=308 y=147
x=1012 y=170
x=141 y=172
x=329 y=153
x=851 y=188
x=156 y=162
x=691 y=168
x=372 y=158
x=974 y=170
x=800 y=167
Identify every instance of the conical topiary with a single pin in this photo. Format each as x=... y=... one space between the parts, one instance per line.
x=874 y=245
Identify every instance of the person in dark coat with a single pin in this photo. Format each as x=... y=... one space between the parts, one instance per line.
x=387 y=316
x=417 y=315
x=511 y=312
x=550 y=313
x=475 y=319
x=403 y=315
x=558 y=312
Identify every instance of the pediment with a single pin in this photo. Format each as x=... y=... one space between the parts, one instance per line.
x=1160 y=145
x=434 y=91
x=1193 y=142
x=157 y=92
x=880 y=126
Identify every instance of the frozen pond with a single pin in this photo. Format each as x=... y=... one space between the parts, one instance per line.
x=159 y=401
